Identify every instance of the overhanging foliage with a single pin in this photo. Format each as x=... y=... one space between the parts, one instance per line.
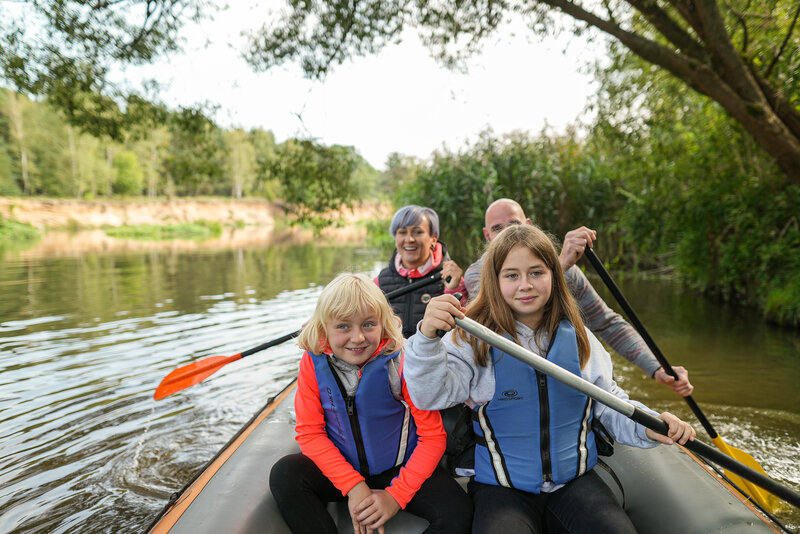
x=741 y=53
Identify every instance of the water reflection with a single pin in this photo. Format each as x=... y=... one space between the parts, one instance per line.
x=734 y=358
x=85 y=338
x=99 y=286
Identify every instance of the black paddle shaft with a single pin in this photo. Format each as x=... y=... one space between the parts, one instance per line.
x=637 y=324
x=273 y=343
x=424 y=281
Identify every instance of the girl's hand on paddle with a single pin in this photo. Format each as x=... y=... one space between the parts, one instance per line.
x=374 y=511
x=679 y=431
x=355 y=497
x=439 y=315
x=451 y=271
x=681 y=386
x=574 y=246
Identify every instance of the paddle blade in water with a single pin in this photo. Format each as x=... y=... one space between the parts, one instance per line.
x=189 y=375
x=764 y=498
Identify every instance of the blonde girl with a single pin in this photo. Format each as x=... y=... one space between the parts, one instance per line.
x=535 y=447
x=361 y=438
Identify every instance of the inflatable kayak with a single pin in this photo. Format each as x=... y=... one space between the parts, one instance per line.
x=663 y=490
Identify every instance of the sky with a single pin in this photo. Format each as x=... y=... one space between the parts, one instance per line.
x=400 y=100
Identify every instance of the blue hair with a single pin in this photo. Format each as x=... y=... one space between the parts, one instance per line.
x=412 y=215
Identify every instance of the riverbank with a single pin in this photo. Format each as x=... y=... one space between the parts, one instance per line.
x=70 y=227
x=63 y=214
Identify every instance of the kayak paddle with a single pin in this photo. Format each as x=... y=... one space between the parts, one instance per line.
x=624 y=407
x=190 y=374
x=197 y=371
x=761 y=497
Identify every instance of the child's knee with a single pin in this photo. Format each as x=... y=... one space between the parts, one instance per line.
x=285 y=474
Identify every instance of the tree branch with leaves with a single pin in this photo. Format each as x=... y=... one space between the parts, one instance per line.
x=740 y=62
x=67 y=50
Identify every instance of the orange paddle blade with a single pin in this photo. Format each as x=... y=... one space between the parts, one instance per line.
x=190 y=374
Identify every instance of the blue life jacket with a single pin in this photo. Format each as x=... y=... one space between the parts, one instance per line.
x=535 y=429
x=373 y=430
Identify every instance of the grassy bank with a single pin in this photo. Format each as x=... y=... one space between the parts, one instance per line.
x=15 y=235
x=153 y=232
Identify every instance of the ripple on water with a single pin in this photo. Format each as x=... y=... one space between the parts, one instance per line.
x=93 y=439
x=10 y=326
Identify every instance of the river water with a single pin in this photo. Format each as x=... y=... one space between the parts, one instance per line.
x=86 y=337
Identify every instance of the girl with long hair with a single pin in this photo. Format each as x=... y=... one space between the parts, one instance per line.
x=535 y=444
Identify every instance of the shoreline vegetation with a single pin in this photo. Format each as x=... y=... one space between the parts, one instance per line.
x=41 y=227
x=16 y=235
x=163 y=232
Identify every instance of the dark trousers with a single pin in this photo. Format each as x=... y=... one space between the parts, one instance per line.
x=302 y=493
x=584 y=505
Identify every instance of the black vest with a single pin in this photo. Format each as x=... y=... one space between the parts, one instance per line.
x=411 y=306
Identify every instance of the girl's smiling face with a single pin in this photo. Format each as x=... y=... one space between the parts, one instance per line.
x=414 y=243
x=355 y=338
x=525 y=283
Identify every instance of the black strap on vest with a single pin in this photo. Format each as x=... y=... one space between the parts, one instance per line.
x=602 y=439
x=460 y=438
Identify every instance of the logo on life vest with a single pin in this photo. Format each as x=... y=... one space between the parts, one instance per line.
x=425 y=298
x=510 y=394
x=334 y=413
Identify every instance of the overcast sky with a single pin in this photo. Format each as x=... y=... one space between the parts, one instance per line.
x=400 y=100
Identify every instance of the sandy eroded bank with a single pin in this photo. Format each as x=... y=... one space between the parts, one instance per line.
x=246 y=223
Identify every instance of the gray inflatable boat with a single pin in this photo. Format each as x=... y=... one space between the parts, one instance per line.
x=663 y=490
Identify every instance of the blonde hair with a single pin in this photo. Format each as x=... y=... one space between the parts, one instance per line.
x=491 y=310
x=345 y=296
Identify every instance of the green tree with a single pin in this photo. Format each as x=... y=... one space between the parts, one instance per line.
x=48 y=140
x=128 y=174
x=92 y=166
x=151 y=150
x=696 y=192
x=263 y=142
x=14 y=107
x=240 y=162
x=739 y=53
x=365 y=178
x=400 y=171
x=8 y=187
x=194 y=160
x=67 y=51
x=316 y=180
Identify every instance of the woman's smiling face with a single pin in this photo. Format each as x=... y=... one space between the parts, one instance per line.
x=414 y=243
x=525 y=283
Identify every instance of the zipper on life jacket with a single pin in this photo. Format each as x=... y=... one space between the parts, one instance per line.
x=352 y=415
x=544 y=428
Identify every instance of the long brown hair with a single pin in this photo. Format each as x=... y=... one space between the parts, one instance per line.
x=492 y=311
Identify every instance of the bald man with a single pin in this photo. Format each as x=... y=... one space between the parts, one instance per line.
x=600 y=319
